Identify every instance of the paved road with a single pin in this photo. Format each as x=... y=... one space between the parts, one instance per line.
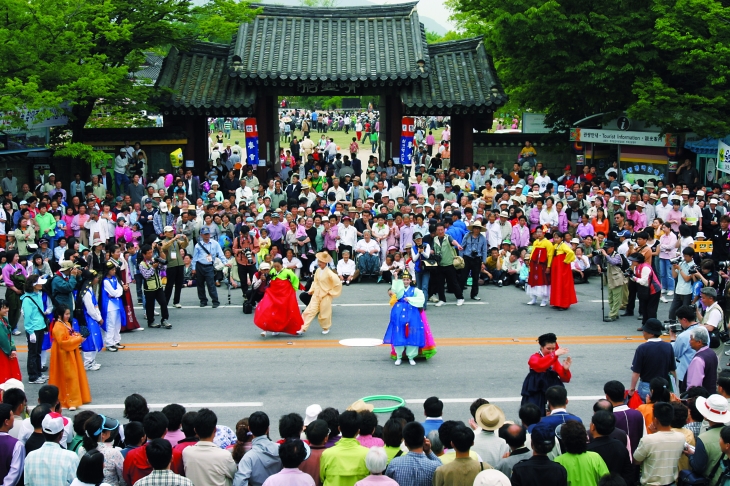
x=217 y=357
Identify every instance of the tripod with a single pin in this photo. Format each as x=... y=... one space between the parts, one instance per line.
x=604 y=268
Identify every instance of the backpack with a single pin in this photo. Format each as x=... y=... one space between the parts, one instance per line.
x=48 y=289
x=625 y=264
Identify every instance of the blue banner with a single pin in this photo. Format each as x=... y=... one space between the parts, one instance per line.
x=252 y=141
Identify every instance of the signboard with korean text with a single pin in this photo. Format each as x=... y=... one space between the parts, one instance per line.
x=408 y=130
x=252 y=141
x=723 y=157
x=645 y=139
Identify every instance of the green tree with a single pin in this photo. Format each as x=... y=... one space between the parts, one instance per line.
x=218 y=20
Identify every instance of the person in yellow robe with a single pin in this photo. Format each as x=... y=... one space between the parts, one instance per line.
x=66 y=369
x=325 y=287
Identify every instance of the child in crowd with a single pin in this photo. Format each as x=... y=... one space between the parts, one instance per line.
x=580 y=266
x=301 y=235
x=264 y=245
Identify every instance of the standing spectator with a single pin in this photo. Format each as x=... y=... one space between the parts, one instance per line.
x=150 y=269
x=708 y=454
x=376 y=462
x=204 y=256
x=613 y=452
x=629 y=420
x=136 y=464
x=539 y=470
x=262 y=460
x=443 y=246
x=317 y=434
x=703 y=368
x=681 y=343
x=51 y=464
x=120 y=171
x=206 y=464
x=516 y=438
x=490 y=446
x=433 y=409
x=344 y=462
x=584 y=467
x=9 y=183
x=418 y=466
x=659 y=453
x=475 y=254
x=653 y=359
x=368 y=423
x=12 y=451
x=292 y=453
x=171 y=247
x=463 y=469
x=159 y=455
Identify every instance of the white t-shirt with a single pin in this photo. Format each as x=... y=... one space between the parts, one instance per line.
x=346 y=267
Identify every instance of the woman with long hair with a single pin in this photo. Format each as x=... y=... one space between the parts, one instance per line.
x=124 y=278
x=243 y=440
x=658 y=392
x=66 y=370
x=601 y=222
x=35 y=326
x=88 y=319
x=14 y=275
x=99 y=432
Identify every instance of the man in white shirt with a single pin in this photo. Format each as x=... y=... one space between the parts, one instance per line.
x=346 y=268
x=659 y=453
x=243 y=194
x=98 y=229
x=692 y=215
x=346 y=236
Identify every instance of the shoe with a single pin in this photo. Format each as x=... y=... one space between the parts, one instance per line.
x=119 y=346
x=71 y=409
x=156 y=313
x=16 y=332
x=139 y=301
x=435 y=299
x=397 y=363
x=670 y=293
x=263 y=333
x=153 y=325
x=663 y=300
x=300 y=333
x=38 y=381
x=476 y=298
x=639 y=318
x=500 y=283
x=95 y=366
x=275 y=333
x=203 y=305
x=626 y=314
x=439 y=303
x=609 y=318
x=640 y=329
x=45 y=368
x=532 y=302
x=412 y=362
x=347 y=284
x=459 y=301
x=380 y=279
x=178 y=306
x=543 y=303
x=111 y=349
x=216 y=305
x=166 y=324
x=138 y=329
x=326 y=331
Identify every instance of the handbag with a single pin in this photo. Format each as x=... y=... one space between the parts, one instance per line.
x=689 y=478
x=459 y=262
x=247 y=307
x=429 y=263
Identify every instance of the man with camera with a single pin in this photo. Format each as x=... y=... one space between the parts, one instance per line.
x=683 y=268
x=612 y=276
x=204 y=256
x=171 y=246
x=683 y=351
x=150 y=268
x=713 y=318
x=647 y=287
x=245 y=248
x=638 y=246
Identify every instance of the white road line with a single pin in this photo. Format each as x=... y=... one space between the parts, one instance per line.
x=599 y=301
x=186 y=405
x=417 y=401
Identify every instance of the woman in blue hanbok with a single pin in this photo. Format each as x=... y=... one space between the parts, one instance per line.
x=408 y=330
x=112 y=308
x=87 y=319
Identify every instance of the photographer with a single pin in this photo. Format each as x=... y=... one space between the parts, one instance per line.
x=206 y=252
x=638 y=245
x=647 y=286
x=245 y=249
x=259 y=283
x=683 y=352
x=150 y=268
x=171 y=248
x=713 y=318
x=421 y=251
x=683 y=270
x=612 y=275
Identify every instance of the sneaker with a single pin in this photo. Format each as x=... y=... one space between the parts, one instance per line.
x=727 y=353
x=326 y=331
x=45 y=368
x=178 y=306
x=216 y=305
x=263 y=333
x=166 y=324
x=153 y=325
x=663 y=299
x=119 y=346
x=157 y=313
x=670 y=293
x=532 y=302
x=95 y=366
x=500 y=283
x=459 y=301
x=300 y=333
x=412 y=362
x=111 y=349
x=439 y=303
x=38 y=381
x=71 y=409
x=138 y=329
x=435 y=299
x=397 y=363
x=139 y=301
x=203 y=305
x=543 y=303
x=16 y=332
x=476 y=298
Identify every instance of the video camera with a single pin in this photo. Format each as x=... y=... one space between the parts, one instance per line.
x=596 y=253
x=160 y=261
x=723 y=265
x=673 y=326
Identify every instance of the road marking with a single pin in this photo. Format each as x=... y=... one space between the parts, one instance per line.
x=599 y=301
x=186 y=405
x=237 y=306
x=282 y=342
x=418 y=401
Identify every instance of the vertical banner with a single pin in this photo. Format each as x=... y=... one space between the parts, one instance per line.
x=252 y=141
x=408 y=130
x=723 y=157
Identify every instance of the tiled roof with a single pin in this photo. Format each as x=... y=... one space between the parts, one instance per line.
x=150 y=68
x=200 y=84
x=369 y=44
x=462 y=80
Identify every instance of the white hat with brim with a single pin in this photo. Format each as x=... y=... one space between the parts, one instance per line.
x=12 y=383
x=476 y=224
x=715 y=408
x=310 y=415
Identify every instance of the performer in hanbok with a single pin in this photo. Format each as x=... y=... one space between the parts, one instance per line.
x=408 y=331
x=538 y=282
x=88 y=313
x=67 y=367
x=545 y=371
x=9 y=367
x=326 y=285
x=112 y=310
x=124 y=277
x=278 y=311
x=562 y=288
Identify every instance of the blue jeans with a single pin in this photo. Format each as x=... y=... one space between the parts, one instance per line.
x=643 y=390
x=422 y=280
x=375 y=147
x=122 y=182
x=665 y=274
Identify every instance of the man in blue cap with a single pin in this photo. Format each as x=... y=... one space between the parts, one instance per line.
x=204 y=255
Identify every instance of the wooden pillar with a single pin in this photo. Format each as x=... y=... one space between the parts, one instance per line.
x=267 y=120
x=462 y=141
x=196 y=130
x=391 y=111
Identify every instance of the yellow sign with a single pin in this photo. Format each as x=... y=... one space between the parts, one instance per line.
x=703 y=246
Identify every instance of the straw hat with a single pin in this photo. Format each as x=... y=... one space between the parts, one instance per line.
x=476 y=224
x=489 y=417
x=323 y=256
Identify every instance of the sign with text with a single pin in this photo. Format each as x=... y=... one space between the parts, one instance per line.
x=644 y=139
x=252 y=141
x=408 y=130
x=723 y=156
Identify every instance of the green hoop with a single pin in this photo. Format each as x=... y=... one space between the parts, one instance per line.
x=391 y=398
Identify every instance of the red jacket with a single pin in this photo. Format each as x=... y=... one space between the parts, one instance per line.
x=177 y=465
x=541 y=364
x=136 y=465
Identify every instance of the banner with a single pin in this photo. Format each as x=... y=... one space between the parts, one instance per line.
x=252 y=141
x=723 y=156
x=408 y=130
x=645 y=139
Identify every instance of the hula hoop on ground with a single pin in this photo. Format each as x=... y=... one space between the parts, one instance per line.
x=392 y=398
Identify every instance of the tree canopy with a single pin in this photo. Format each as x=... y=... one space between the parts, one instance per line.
x=662 y=61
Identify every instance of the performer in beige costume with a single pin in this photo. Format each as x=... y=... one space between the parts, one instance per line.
x=326 y=286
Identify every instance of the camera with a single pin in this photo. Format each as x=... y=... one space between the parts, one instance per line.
x=723 y=265
x=673 y=326
x=676 y=260
x=692 y=269
x=474 y=254
x=629 y=272
x=160 y=261
x=249 y=255
x=596 y=253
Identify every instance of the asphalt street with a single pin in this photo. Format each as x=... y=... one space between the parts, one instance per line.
x=217 y=358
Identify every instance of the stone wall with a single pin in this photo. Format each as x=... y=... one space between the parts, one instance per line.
x=504 y=148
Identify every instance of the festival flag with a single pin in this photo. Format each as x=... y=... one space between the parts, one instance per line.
x=408 y=130
x=252 y=141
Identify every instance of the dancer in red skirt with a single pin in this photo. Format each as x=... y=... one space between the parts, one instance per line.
x=562 y=288
x=279 y=311
x=9 y=367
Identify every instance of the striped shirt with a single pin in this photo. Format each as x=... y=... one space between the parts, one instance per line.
x=659 y=454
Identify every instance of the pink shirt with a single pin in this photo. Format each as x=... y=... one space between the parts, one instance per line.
x=379 y=480
x=174 y=436
x=370 y=441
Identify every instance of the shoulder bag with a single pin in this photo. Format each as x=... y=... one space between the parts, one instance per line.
x=46 y=320
x=688 y=477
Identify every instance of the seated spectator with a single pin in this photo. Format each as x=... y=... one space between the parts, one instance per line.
x=188 y=428
x=584 y=467
x=292 y=453
x=159 y=454
x=344 y=462
x=463 y=469
x=136 y=465
x=613 y=452
x=317 y=433
x=393 y=437
x=37 y=439
x=376 y=462
x=490 y=446
x=368 y=422
x=206 y=464
x=262 y=460
x=174 y=414
x=659 y=453
x=418 y=466
x=491 y=477
x=49 y=465
x=580 y=267
x=444 y=436
x=557 y=400
x=346 y=269
x=539 y=470
x=134 y=436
